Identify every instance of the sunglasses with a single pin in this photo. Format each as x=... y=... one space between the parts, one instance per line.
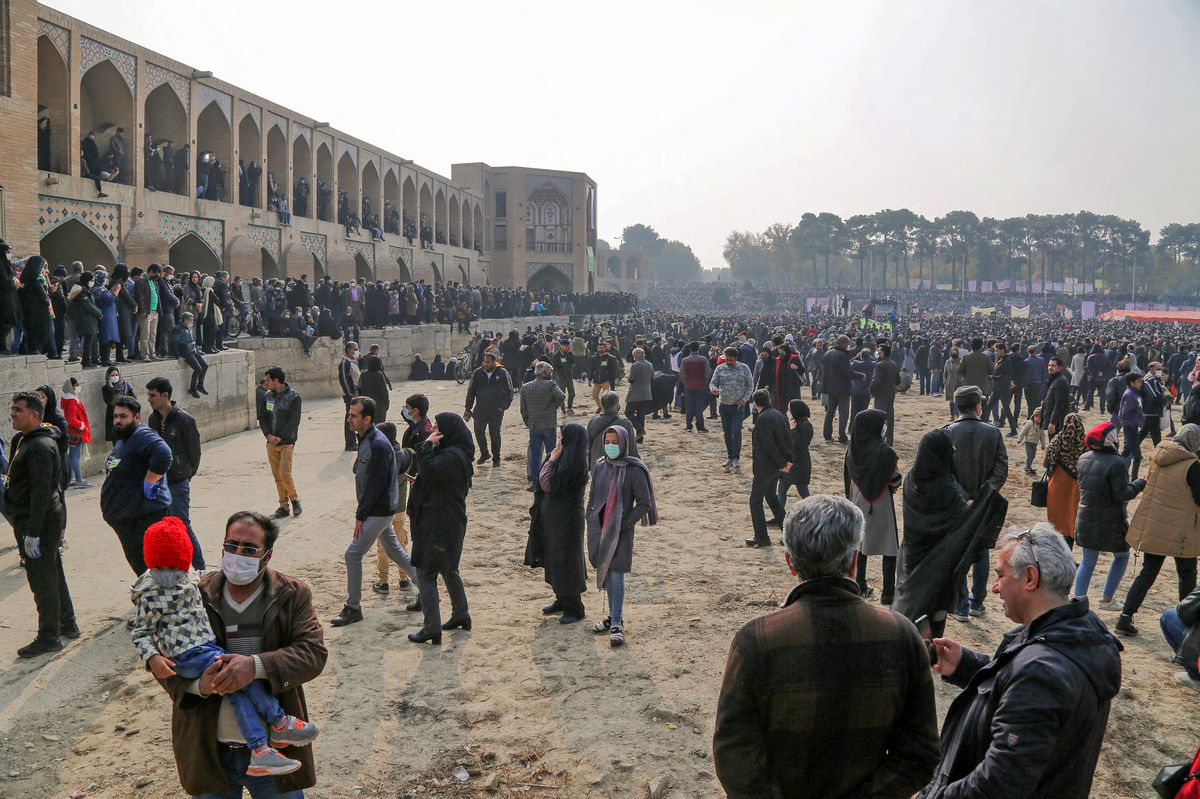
x=1028 y=535
x=238 y=548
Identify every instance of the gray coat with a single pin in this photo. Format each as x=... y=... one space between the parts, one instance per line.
x=540 y=401
x=635 y=502
x=979 y=454
x=640 y=374
x=595 y=431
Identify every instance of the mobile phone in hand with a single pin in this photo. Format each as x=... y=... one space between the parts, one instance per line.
x=926 y=631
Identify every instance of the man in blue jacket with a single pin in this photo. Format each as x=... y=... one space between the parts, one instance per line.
x=135 y=494
x=375 y=484
x=1035 y=378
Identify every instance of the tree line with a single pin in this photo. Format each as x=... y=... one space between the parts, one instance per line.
x=890 y=247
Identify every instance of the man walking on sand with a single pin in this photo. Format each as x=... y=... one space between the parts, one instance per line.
x=279 y=420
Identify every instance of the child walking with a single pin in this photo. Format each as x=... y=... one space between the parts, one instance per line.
x=1032 y=436
x=172 y=633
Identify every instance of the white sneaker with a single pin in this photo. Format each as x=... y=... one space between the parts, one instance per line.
x=1183 y=678
x=1110 y=604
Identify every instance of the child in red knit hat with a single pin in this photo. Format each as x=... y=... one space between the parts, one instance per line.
x=174 y=637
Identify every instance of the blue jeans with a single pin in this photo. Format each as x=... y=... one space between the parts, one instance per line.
x=73 y=458
x=234 y=762
x=541 y=443
x=251 y=705
x=783 y=492
x=615 y=587
x=696 y=400
x=979 y=581
x=935 y=381
x=1173 y=630
x=181 y=503
x=731 y=425
x=924 y=376
x=1083 y=577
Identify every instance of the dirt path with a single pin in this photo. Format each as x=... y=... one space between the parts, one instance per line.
x=524 y=703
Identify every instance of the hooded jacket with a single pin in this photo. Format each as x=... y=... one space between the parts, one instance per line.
x=1030 y=721
x=1104 y=488
x=121 y=495
x=32 y=494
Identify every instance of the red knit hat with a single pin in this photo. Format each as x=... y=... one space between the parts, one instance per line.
x=1098 y=435
x=167 y=546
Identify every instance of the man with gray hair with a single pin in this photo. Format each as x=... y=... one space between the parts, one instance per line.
x=540 y=402
x=1030 y=720
x=830 y=696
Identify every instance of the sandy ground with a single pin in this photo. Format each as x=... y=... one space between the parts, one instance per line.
x=526 y=705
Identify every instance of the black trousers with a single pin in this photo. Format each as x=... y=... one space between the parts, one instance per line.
x=1151 y=566
x=567 y=384
x=130 y=533
x=351 y=439
x=764 y=488
x=637 y=415
x=48 y=582
x=841 y=406
x=571 y=605
x=1002 y=398
x=199 y=368
x=888 y=406
x=488 y=422
x=1033 y=397
x=1017 y=394
x=889 y=577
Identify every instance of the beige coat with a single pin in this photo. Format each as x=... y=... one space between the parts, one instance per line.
x=1167 y=520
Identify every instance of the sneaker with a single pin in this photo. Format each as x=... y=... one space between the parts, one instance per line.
x=616 y=635
x=70 y=631
x=1010 y=435
x=1110 y=604
x=975 y=611
x=1183 y=678
x=292 y=731
x=348 y=615
x=39 y=647
x=281 y=512
x=380 y=587
x=727 y=464
x=495 y=461
x=84 y=484
x=482 y=460
x=775 y=523
x=569 y=618
x=958 y=616
x=267 y=762
x=737 y=464
x=868 y=593
x=296 y=509
x=602 y=626
x=1124 y=626
x=754 y=542
x=405 y=582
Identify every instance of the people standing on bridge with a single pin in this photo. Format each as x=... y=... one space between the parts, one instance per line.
x=178 y=429
x=280 y=424
x=135 y=494
x=489 y=395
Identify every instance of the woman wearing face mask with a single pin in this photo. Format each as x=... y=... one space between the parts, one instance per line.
x=621 y=496
x=79 y=430
x=951 y=381
x=871 y=477
x=114 y=386
x=556 y=525
x=437 y=510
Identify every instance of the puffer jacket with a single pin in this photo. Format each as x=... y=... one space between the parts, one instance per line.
x=1104 y=488
x=1030 y=721
x=1189 y=613
x=1166 y=520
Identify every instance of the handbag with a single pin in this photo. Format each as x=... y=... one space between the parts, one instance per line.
x=1039 y=492
x=1180 y=781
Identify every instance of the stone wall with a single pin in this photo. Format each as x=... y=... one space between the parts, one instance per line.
x=229 y=407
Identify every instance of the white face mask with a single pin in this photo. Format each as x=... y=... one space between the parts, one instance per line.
x=239 y=569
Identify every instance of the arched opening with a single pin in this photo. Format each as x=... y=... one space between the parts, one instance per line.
x=405 y=273
x=270 y=269
x=106 y=106
x=214 y=143
x=462 y=275
x=347 y=178
x=455 y=223
x=324 y=176
x=190 y=252
x=426 y=216
x=166 y=121
x=318 y=269
x=75 y=241
x=276 y=164
x=370 y=195
x=549 y=279
x=437 y=273
x=249 y=155
x=391 y=203
x=409 y=209
x=302 y=170
x=362 y=269
x=480 y=233
x=439 y=204
x=54 y=109
x=614 y=266
x=468 y=227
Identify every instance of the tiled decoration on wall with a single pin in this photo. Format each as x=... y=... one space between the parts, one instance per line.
x=59 y=36
x=266 y=237
x=157 y=76
x=92 y=52
x=173 y=227
x=367 y=251
x=316 y=244
x=254 y=111
x=532 y=269
x=104 y=219
x=299 y=131
x=463 y=264
x=439 y=266
x=401 y=253
x=274 y=120
x=346 y=147
x=207 y=94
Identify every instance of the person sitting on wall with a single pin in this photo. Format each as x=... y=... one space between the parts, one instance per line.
x=299 y=328
x=351 y=329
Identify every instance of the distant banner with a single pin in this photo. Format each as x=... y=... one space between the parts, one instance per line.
x=944 y=287
x=925 y=284
x=1018 y=313
x=986 y=287
x=1087 y=309
x=975 y=309
x=1037 y=286
x=810 y=303
x=823 y=303
x=1002 y=285
x=1020 y=286
x=871 y=324
x=971 y=285
x=913 y=284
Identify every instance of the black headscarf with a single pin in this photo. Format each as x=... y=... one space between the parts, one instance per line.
x=870 y=462
x=455 y=435
x=571 y=469
x=933 y=499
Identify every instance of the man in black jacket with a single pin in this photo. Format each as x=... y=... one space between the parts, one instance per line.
x=563 y=362
x=837 y=374
x=36 y=509
x=772 y=454
x=1004 y=381
x=603 y=372
x=1057 y=401
x=1030 y=720
x=178 y=429
x=489 y=395
x=279 y=421
x=884 y=381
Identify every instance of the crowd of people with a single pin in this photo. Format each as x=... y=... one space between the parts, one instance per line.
x=1030 y=719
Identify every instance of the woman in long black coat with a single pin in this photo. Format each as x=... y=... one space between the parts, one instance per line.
x=556 y=526
x=373 y=383
x=35 y=307
x=114 y=386
x=126 y=311
x=437 y=511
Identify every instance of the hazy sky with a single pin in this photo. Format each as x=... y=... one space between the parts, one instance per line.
x=703 y=117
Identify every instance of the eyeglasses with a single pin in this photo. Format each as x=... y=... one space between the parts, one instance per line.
x=1028 y=535
x=238 y=548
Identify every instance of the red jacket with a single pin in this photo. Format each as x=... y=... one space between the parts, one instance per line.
x=77 y=420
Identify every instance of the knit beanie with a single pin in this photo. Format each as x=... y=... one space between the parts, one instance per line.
x=1102 y=435
x=167 y=546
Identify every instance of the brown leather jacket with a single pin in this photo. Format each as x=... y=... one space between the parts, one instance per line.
x=293 y=653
